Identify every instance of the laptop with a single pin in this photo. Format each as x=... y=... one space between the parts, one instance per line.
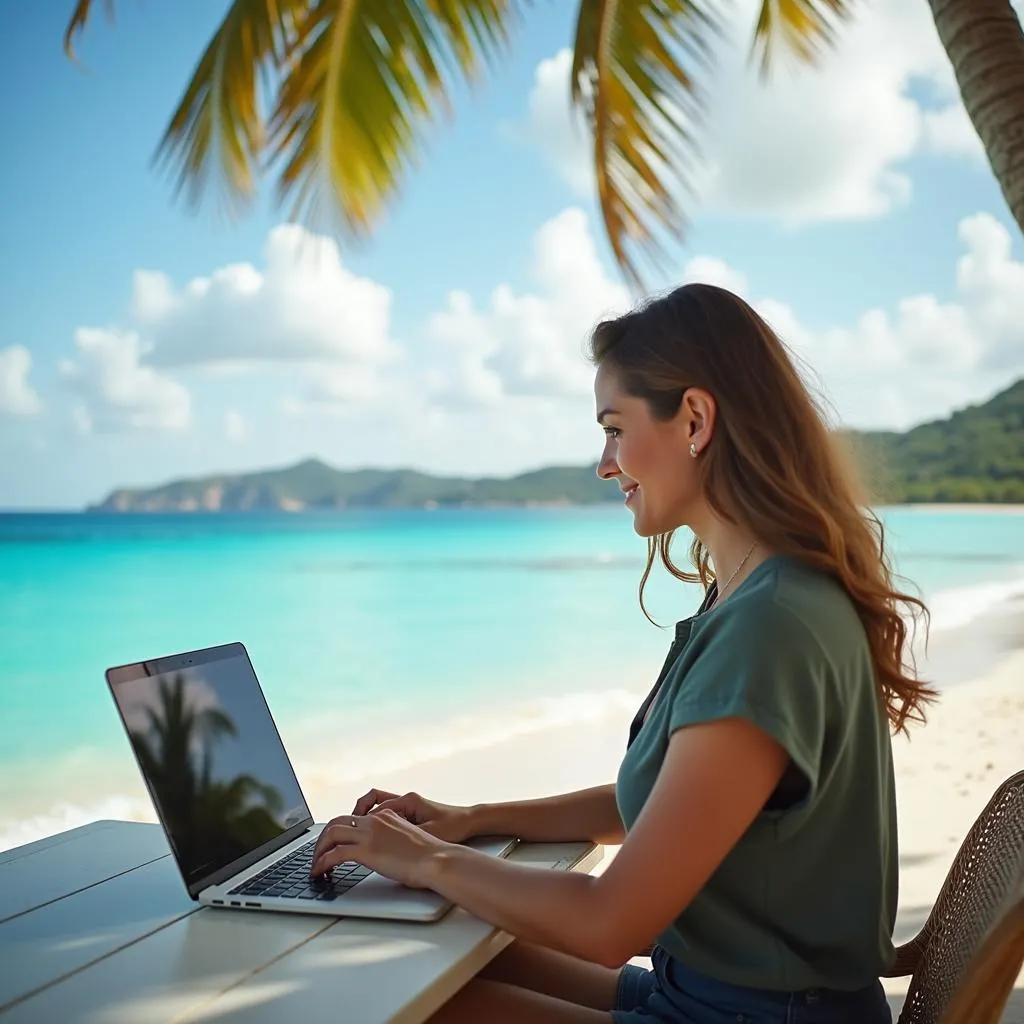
x=228 y=799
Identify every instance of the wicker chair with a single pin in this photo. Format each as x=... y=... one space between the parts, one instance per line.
x=982 y=882
x=991 y=976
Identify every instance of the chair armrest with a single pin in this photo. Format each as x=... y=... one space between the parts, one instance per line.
x=907 y=958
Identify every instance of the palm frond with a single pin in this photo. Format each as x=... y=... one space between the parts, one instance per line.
x=804 y=27
x=635 y=75
x=217 y=130
x=79 y=19
x=218 y=126
x=366 y=80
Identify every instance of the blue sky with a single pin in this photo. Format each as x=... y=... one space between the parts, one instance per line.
x=850 y=204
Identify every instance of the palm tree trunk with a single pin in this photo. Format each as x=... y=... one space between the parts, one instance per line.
x=985 y=43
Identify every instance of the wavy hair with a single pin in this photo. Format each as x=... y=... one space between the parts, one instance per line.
x=772 y=464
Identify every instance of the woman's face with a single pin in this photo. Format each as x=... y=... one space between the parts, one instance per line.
x=650 y=458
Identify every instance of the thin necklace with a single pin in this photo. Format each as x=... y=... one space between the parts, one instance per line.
x=728 y=582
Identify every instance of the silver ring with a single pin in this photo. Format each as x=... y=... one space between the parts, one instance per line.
x=352 y=822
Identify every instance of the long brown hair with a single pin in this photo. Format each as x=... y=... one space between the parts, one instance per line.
x=771 y=465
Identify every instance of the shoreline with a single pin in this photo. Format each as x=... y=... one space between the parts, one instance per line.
x=107 y=782
x=579 y=735
x=290 y=509
x=530 y=748
x=460 y=754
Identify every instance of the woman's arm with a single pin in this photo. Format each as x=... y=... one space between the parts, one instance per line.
x=587 y=814
x=714 y=781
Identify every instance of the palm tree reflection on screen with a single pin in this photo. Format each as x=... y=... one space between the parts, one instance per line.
x=211 y=820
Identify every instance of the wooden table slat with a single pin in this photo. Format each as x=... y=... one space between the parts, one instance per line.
x=55 y=868
x=71 y=933
x=365 y=971
x=172 y=972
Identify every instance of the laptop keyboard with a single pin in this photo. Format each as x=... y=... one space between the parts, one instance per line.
x=289 y=878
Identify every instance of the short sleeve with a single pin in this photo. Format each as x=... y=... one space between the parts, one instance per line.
x=772 y=673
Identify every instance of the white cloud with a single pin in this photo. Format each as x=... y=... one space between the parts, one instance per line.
x=813 y=143
x=950 y=131
x=118 y=392
x=304 y=305
x=530 y=344
x=344 y=391
x=236 y=429
x=896 y=368
x=711 y=270
x=347 y=384
x=992 y=282
x=554 y=127
x=826 y=142
x=17 y=396
x=303 y=308
x=890 y=368
x=465 y=376
x=499 y=385
x=502 y=385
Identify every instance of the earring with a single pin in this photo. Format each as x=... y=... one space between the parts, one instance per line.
x=693 y=450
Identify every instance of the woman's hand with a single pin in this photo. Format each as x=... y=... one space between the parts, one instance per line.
x=445 y=821
x=384 y=842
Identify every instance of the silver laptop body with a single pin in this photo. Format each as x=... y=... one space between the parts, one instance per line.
x=228 y=799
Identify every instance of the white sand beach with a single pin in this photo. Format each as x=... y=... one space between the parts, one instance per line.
x=946 y=772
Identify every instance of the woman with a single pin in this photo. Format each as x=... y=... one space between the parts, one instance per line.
x=755 y=802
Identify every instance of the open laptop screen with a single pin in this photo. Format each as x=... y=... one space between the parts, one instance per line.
x=212 y=759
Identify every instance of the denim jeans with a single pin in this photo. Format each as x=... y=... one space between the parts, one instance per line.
x=673 y=993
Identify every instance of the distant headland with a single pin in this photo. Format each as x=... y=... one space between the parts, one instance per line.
x=975 y=455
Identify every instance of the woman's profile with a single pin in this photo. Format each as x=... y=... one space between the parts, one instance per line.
x=755 y=803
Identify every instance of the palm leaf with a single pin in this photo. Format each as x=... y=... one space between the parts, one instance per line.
x=366 y=78
x=79 y=19
x=635 y=75
x=805 y=27
x=217 y=132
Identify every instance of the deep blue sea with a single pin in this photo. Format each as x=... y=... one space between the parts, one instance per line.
x=366 y=621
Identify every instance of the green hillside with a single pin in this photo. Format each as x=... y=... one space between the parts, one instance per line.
x=315 y=485
x=976 y=455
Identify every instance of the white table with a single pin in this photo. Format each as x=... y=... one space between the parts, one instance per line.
x=96 y=926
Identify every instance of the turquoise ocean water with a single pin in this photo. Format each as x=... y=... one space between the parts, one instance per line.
x=367 y=622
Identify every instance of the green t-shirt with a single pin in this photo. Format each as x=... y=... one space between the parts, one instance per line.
x=807 y=897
